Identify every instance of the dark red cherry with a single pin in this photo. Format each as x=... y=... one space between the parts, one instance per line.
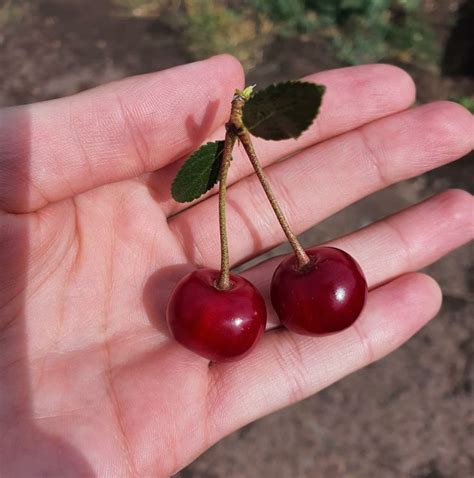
x=325 y=297
x=220 y=325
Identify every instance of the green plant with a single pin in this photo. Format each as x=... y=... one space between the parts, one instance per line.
x=210 y=27
x=11 y=13
x=466 y=101
x=289 y=16
x=361 y=30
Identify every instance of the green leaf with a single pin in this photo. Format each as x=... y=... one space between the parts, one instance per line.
x=283 y=110
x=199 y=173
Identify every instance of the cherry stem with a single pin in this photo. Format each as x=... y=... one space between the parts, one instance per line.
x=235 y=129
x=223 y=282
x=300 y=253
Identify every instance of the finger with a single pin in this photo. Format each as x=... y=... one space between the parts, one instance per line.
x=59 y=148
x=326 y=178
x=354 y=96
x=401 y=243
x=286 y=367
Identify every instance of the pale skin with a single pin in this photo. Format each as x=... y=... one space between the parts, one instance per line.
x=91 y=244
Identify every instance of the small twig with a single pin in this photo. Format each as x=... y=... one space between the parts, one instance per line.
x=236 y=126
x=224 y=279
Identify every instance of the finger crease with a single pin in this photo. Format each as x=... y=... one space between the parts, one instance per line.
x=83 y=153
x=116 y=410
x=372 y=157
x=369 y=355
x=288 y=357
x=138 y=140
x=404 y=243
x=196 y=257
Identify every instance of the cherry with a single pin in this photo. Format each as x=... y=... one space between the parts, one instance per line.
x=220 y=325
x=323 y=297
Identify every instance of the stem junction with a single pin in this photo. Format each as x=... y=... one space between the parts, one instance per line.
x=235 y=128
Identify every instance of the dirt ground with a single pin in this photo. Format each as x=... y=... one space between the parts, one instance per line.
x=409 y=415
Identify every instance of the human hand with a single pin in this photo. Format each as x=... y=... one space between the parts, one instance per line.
x=91 y=244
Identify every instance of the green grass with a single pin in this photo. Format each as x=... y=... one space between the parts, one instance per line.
x=360 y=31
x=210 y=27
x=11 y=14
x=466 y=101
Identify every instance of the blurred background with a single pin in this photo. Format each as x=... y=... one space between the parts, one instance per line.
x=410 y=415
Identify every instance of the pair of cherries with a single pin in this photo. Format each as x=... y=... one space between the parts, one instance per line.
x=315 y=292
x=322 y=297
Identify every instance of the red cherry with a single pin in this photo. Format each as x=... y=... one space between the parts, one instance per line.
x=325 y=297
x=220 y=325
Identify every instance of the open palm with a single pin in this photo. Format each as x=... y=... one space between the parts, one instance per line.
x=91 y=245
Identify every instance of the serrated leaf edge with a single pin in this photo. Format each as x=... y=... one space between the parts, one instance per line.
x=182 y=166
x=290 y=82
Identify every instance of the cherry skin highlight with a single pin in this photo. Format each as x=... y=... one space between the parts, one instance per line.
x=220 y=325
x=326 y=296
